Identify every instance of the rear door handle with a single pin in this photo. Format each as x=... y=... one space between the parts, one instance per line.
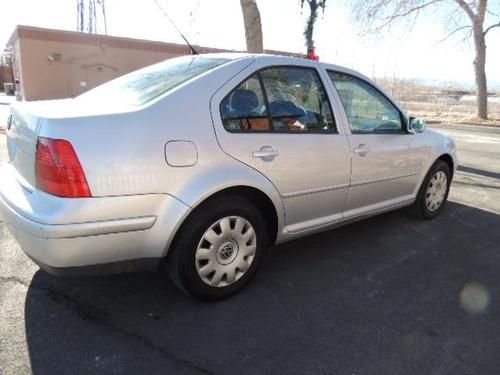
x=361 y=150
x=266 y=153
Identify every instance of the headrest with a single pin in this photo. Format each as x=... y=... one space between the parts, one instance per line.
x=244 y=101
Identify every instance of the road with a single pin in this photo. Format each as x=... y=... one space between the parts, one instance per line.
x=389 y=295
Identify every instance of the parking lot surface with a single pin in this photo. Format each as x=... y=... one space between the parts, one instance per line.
x=388 y=295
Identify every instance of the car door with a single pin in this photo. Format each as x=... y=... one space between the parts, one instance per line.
x=279 y=121
x=387 y=160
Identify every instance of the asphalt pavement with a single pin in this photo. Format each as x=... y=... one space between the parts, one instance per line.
x=388 y=295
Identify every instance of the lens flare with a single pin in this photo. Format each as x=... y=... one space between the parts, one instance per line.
x=474 y=298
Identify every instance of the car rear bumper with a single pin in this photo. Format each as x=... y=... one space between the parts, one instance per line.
x=89 y=235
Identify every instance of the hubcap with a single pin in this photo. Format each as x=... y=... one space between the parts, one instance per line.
x=436 y=191
x=226 y=251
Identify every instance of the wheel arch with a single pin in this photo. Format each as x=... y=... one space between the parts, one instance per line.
x=445 y=157
x=272 y=213
x=257 y=197
x=448 y=160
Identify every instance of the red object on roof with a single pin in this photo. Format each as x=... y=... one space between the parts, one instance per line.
x=311 y=55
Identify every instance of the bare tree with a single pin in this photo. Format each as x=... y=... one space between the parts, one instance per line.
x=382 y=13
x=253 y=26
x=314 y=5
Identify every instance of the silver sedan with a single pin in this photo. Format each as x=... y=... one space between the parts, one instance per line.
x=197 y=164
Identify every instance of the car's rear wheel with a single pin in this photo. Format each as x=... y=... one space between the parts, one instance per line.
x=434 y=191
x=218 y=248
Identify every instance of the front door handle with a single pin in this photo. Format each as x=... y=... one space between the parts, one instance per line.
x=266 y=153
x=361 y=150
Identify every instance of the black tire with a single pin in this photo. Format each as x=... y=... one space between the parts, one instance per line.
x=419 y=208
x=181 y=261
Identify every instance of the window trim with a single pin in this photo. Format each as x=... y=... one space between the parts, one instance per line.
x=266 y=102
x=403 y=130
x=271 y=130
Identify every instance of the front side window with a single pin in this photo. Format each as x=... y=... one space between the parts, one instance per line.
x=281 y=99
x=367 y=109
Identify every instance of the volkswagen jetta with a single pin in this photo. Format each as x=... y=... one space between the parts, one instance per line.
x=197 y=164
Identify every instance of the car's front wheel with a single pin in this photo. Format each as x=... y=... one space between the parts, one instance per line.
x=218 y=248
x=434 y=191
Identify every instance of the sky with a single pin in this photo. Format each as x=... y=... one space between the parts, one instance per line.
x=401 y=52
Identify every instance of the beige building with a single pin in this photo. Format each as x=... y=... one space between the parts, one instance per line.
x=5 y=75
x=52 y=64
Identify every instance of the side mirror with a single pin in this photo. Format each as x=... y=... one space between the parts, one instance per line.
x=416 y=125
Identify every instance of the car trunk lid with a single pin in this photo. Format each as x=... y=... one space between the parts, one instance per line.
x=27 y=119
x=22 y=133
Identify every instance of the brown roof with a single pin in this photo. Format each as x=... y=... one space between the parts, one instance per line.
x=37 y=33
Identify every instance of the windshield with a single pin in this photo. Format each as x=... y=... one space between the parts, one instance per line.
x=143 y=85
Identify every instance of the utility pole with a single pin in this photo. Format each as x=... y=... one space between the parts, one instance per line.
x=80 y=15
x=103 y=9
x=88 y=16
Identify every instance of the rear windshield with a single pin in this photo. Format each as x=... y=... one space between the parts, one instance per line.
x=143 y=85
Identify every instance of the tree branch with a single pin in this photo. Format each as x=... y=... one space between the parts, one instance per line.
x=455 y=31
x=491 y=27
x=396 y=15
x=467 y=9
x=492 y=13
x=417 y=8
x=467 y=36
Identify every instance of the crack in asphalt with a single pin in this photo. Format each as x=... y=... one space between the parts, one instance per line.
x=14 y=279
x=92 y=314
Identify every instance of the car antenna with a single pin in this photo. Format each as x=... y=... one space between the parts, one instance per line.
x=193 y=51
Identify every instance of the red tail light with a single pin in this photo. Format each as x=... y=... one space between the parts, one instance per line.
x=58 y=170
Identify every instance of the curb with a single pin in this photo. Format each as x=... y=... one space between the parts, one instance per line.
x=464 y=125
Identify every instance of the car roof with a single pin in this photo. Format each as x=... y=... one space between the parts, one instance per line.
x=281 y=59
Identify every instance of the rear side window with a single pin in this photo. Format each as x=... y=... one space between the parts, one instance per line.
x=141 y=86
x=280 y=99
x=245 y=108
x=297 y=100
